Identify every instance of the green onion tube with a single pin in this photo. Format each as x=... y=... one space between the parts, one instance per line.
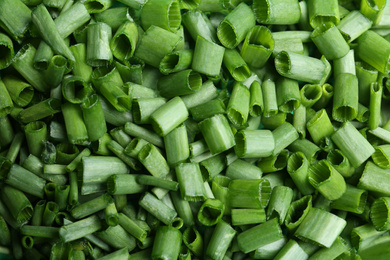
x=80 y=228
x=238 y=106
x=197 y=24
x=124 y=41
x=153 y=161
x=291 y=250
x=220 y=240
x=353 y=25
x=319 y=126
x=176 y=145
x=279 y=203
x=259 y=236
x=143 y=108
x=75 y=125
x=93 y=118
x=327 y=94
x=36 y=135
x=166 y=243
x=381 y=156
x=248 y=216
x=98 y=45
x=353 y=200
x=297 y=167
x=8 y=51
x=297 y=212
x=374 y=179
x=375 y=50
x=40 y=110
x=213 y=107
x=20 y=92
x=80 y=66
x=131 y=227
x=155 y=43
x=254 y=143
x=122 y=184
x=277 y=11
x=376 y=92
x=143 y=133
x=97 y=6
x=380 y=213
x=190 y=181
x=345 y=64
x=353 y=145
x=274 y=163
x=117 y=237
x=256 y=103
x=373 y=11
x=157 y=182
x=366 y=75
x=323 y=11
x=176 y=61
x=248 y=193
x=157 y=208
x=287 y=95
x=92 y=206
x=75 y=89
x=345 y=100
x=258 y=46
x=180 y=83
x=234 y=27
x=338 y=247
x=269 y=98
x=236 y=65
x=284 y=135
x=241 y=169
x=320 y=227
x=15 y=18
x=217 y=133
x=205 y=63
x=49 y=214
x=299 y=120
x=329 y=41
x=301 y=67
x=17 y=203
x=309 y=149
x=211 y=212
x=165 y=14
x=40 y=231
x=327 y=180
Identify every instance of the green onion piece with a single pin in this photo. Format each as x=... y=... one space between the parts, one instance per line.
x=381 y=133
x=310 y=94
x=118 y=150
x=73 y=189
x=167 y=243
x=42 y=56
x=157 y=208
x=376 y=92
x=40 y=231
x=254 y=143
x=238 y=107
x=165 y=14
x=260 y=235
x=23 y=63
x=124 y=41
x=212 y=166
x=98 y=45
x=277 y=11
x=248 y=193
x=363 y=236
x=92 y=206
x=366 y=74
x=345 y=100
x=293 y=45
x=220 y=191
x=287 y=94
x=352 y=144
x=327 y=94
x=217 y=133
x=66 y=152
x=80 y=228
x=208 y=109
x=25 y=181
x=153 y=161
x=40 y=110
x=373 y=10
x=176 y=61
x=297 y=167
x=15 y=18
x=256 y=103
x=132 y=227
x=353 y=25
x=55 y=70
x=381 y=156
x=36 y=219
x=309 y=149
x=61 y=195
x=353 y=200
x=143 y=108
x=49 y=31
x=193 y=240
x=284 y=135
x=157 y=182
x=274 y=163
x=93 y=118
x=118 y=254
x=338 y=247
x=75 y=126
x=120 y=136
x=363 y=113
x=241 y=169
x=375 y=50
x=7 y=51
x=49 y=190
x=220 y=240
x=49 y=214
x=340 y=162
x=297 y=212
x=143 y=133
x=236 y=65
x=182 y=208
x=258 y=46
x=320 y=227
x=36 y=135
x=27 y=242
x=117 y=238
x=299 y=121
x=291 y=250
x=20 y=92
x=155 y=43
x=380 y=214
x=190 y=181
x=327 y=180
x=75 y=89
x=180 y=83
x=301 y=67
x=345 y=64
x=235 y=26
x=269 y=250
x=319 y=126
x=97 y=6
x=329 y=41
x=323 y=11
x=248 y=216
x=112 y=115
x=119 y=184
x=211 y=212
x=80 y=66
x=134 y=147
x=176 y=145
x=269 y=98
x=17 y=203
x=279 y=203
x=203 y=62
x=138 y=91
x=198 y=24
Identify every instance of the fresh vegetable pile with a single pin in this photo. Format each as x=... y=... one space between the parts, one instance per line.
x=194 y=129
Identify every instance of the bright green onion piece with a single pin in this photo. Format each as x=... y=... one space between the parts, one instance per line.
x=352 y=144
x=284 y=135
x=338 y=247
x=320 y=227
x=327 y=94
x=363 y=235
x=220 y=240
x=376 y=92
x=36 y=135
x=353 y=200
x=301 y=67
x=143 y=108
x=203 y=62
x=198 y=24
x=380 y=213
x=299 y=120
x=92 y=206
x=287 y=94
x=373 y=10
x=248 y=193
x=80 y=228
x=320 y=126
x=294 y=45
x=235 y=26
x=176 y=61
x=122 y=184
x=93 y=118
x=241 y=169
x=157 y=182
x=327 y=180
x=134 y=147
x=217 y=133
x=40 y=110
x=257 y=47
x=363 y=113
x=98 y=45
x=23 y=63
x=80 y=66
x=329 y=41
x=143 y=133
x=132 y=227
x=75 y=126
x=212 y=166
x=190 y=181
x=297 y=167
x=291 y=250
x=277 y=11
x=20 y=92
x=274 y=163
x=176 y=145
x=7 y=51
x=15 y=18
x=254 y=143
x=155 y=44
x=297 y=212
x=259 y=236
x=208 y=109
x=117 y=237
x=309 y=149
x=345 y=64
x=353 y=25
x=366 y=75
x=279 y=203
x=97 y=6
x=17 y=203
x=153 y=161
x=180 y=83
x=270 y=249
x=165 y=14
x=238 y=106
x=256 y=102
x=381 y=156
x=340 y=162
x=375 y=50
x=75 y=89
x=248 y=216
x=40 y=231
x=236 y=65
x=157 y=208
x=124 y=41
x=167 y=243
x=269 y=98
x=345 y=100
x=323 y=11
x=193 y=240
x=211 y=212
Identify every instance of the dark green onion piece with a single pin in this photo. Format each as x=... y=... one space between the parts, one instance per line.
x=98 y=45
x=310 y=94
x=320 y=227
x=220 y=240
x=20 y=92
x=7 y=51
x=93 y=118
x=167 y=243
x=241 y=169
x=277 y=11
x=190 y=181
x=49 y=214
x=327 y=94
x=80 y=228
x=198 y=24
x=176 y=145
x=256 y=103
x=291 y=250
x=249 y=193
x=236 y=65
x=75 y=126
x=279 y=203
x=235 y=26
x=40 y=110
x=80 y=66
x=25 y=181
x=119 y=184
x=40 y=231
x=17 y=203
x=254 y=143
x=75 y=89
x=157 y=208
x=36 y=135
x=15 y=18
x=92 y=206
x=211 y=212
x=208 y=109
